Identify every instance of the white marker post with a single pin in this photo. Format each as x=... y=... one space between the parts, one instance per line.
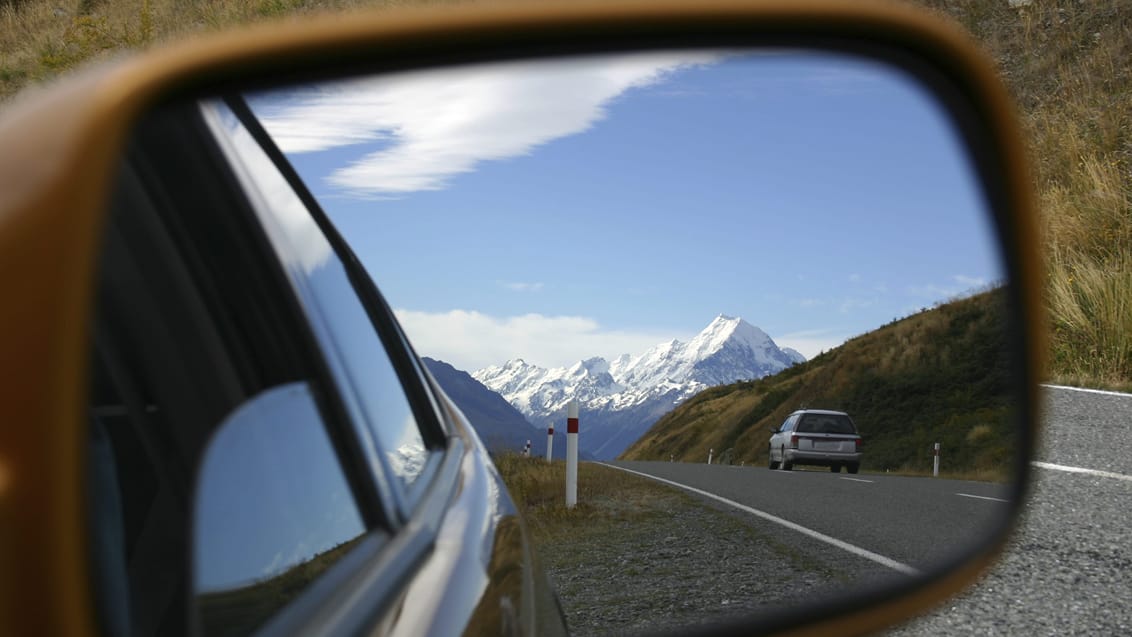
x=709 y=454
x=571 y=454
x=527 y=450
x=935 y=467
x=550 y=443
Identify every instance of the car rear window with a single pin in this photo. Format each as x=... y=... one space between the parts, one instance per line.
x=826 y=424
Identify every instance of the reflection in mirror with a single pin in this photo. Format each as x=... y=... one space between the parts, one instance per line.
x=694 y=245
x=306 y=248
x=272 y=512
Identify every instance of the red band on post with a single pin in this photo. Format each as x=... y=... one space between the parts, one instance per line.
x=571 y=425
x=550 y=431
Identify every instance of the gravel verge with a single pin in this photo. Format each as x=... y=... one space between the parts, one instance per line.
x=686 y=561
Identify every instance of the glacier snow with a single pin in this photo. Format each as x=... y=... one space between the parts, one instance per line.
x=621 y=399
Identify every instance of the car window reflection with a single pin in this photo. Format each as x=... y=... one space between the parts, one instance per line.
x=273 y=509
x=374 y=381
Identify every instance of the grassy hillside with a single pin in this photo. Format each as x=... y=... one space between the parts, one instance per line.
x=1066 y=61
x=239 y=611
x=937 y=376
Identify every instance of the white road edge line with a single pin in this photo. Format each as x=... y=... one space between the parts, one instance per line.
x=845 y=546
x=859 y=480
x=1102 y=392
x=981 y=497
x=1092 y=472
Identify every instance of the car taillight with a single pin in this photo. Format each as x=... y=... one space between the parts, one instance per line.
x=793 y=442
x=859 y=443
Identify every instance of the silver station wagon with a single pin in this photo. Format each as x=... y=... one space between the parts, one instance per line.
x=816 y=437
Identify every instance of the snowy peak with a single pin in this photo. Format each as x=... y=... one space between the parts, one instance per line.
x=625 y=396
x=725 y=330
x=594 y=366
x=732 y=349
x=534 y=390
x=728 y=349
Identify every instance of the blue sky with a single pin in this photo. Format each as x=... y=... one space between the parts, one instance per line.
x=555 y=211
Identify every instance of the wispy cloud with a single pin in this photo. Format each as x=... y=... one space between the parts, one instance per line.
x=970 y=281
x=518 y=286
x=435 y=125
x=471 y=340
x=848 y=305
x=959 y=286
x=810 y=302
x=843 y=305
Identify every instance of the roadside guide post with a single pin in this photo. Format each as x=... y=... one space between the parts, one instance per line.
x=935 y=458
x=709 y=454
x=572 y=454
x=550 y=443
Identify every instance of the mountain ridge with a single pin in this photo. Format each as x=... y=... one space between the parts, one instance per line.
x=623 y=397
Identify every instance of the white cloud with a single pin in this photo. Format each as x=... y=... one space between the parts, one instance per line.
x=810 y=302
x=470 y=340
x=442 y=123
x=961 y=286
x=970 y=281
x=933 y=292
x=519 y=286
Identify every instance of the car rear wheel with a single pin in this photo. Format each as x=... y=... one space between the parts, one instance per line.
x=786 y=466
x=853 y=468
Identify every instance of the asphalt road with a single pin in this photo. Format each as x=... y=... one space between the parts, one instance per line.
x=902 y=523
x=1067 y=569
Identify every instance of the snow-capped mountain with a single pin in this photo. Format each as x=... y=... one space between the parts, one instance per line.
x=623 y=398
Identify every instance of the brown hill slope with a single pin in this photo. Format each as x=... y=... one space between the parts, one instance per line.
x=937 y=376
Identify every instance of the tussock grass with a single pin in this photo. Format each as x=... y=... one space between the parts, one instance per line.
x=40 y=40
x=1067 y=62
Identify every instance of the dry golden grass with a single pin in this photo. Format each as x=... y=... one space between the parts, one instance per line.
x=40 y=40
x=605 y=496
x=1068 y=63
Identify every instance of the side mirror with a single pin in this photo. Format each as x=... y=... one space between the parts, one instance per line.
x=922 y=165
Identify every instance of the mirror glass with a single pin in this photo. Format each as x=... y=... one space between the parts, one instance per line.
x=693 y=245
x=273 y=511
